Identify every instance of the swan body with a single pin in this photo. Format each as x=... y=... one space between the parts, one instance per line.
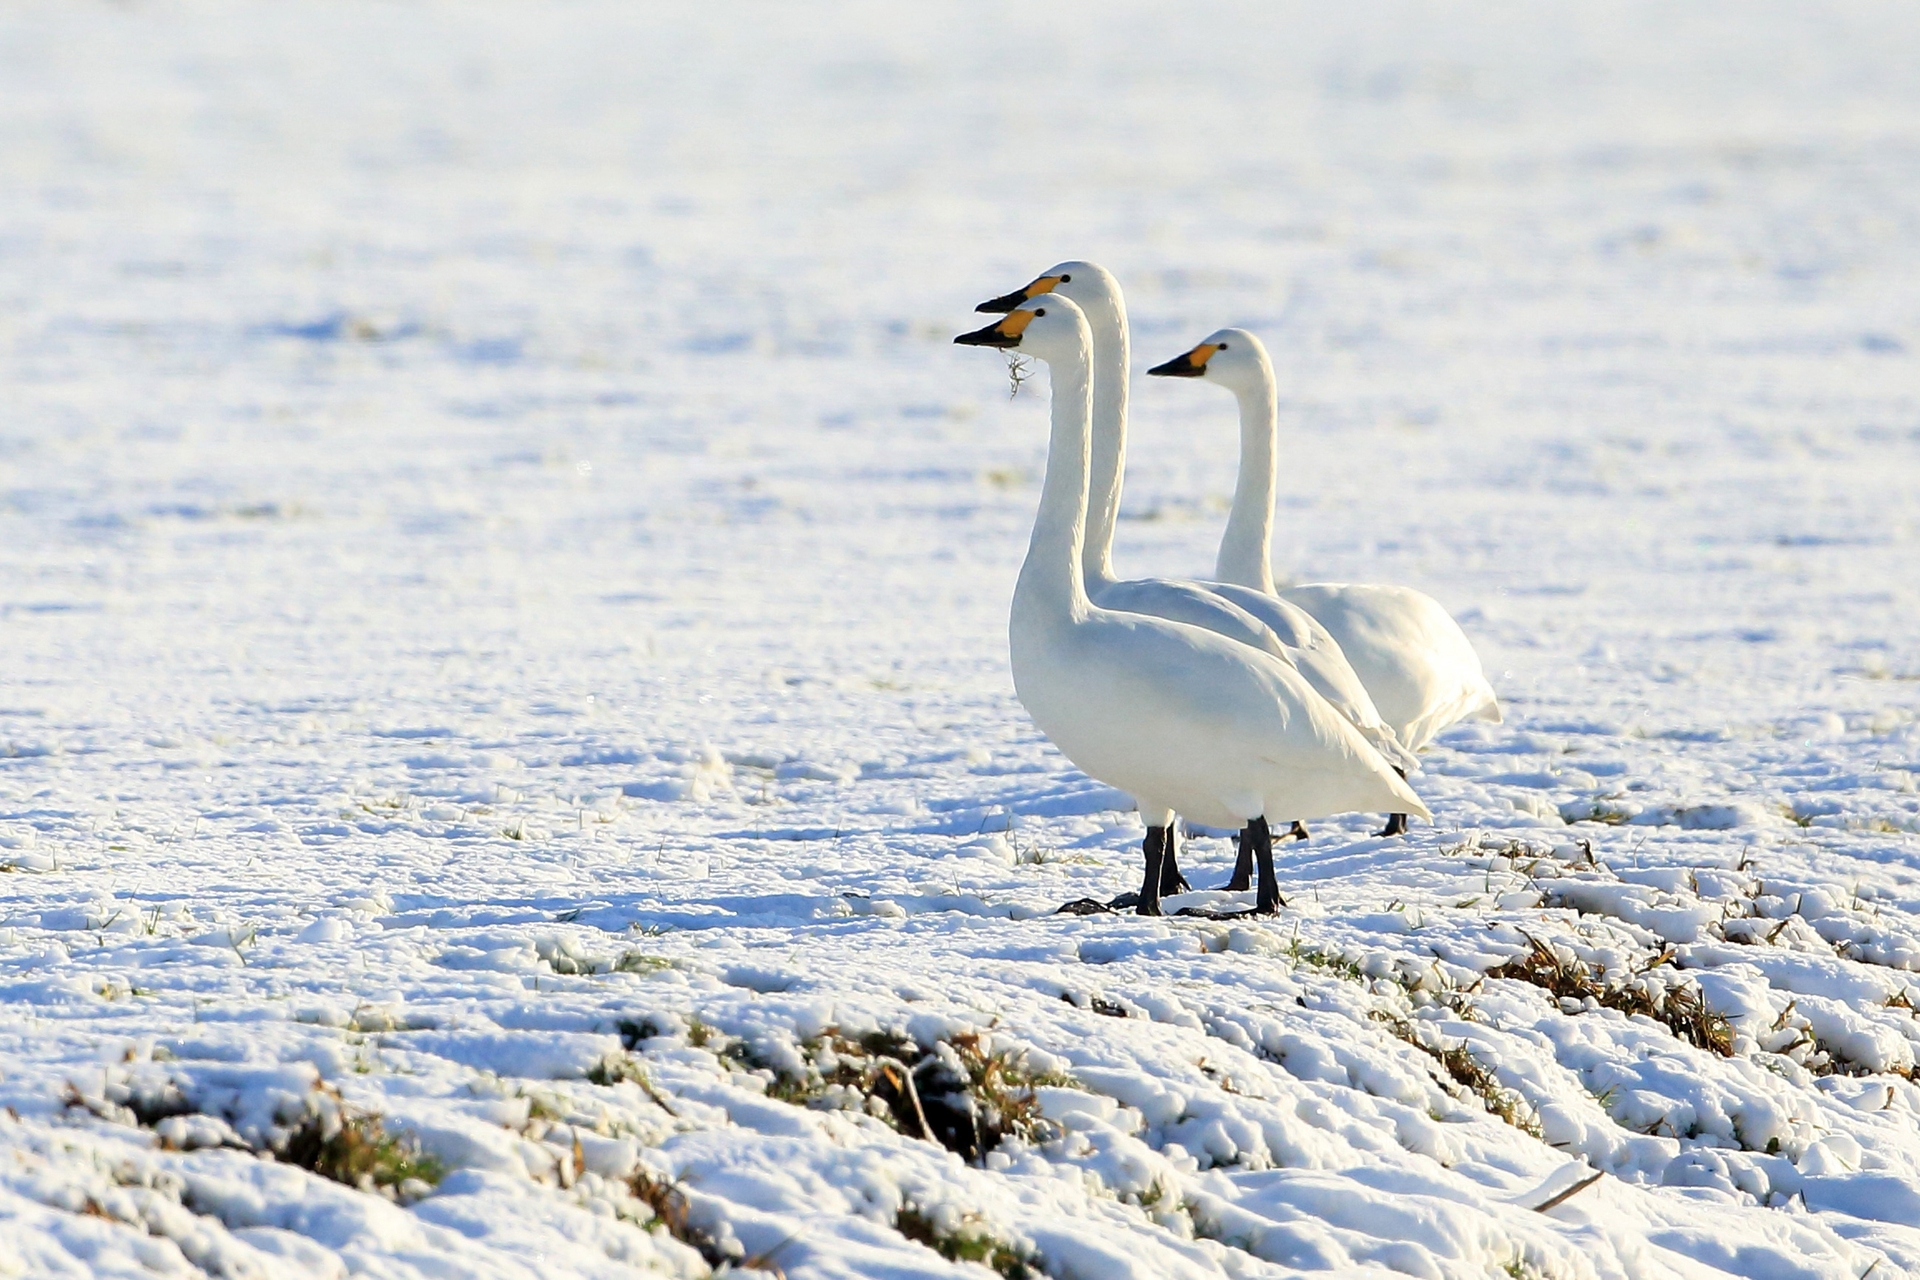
x=1187 y=721
x=1412 y=656
x=1276 y=626
x=1182 y=718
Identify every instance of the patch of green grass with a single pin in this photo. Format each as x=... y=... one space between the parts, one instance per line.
x=1793 y=815
x=328 y=1137
x=1599 y=810
x=968 y=1241
x=616 y=1069
x=623 y=1068
x=354 y=1148
x=1326 y=961
x=1520 y=1269
x=640 y=962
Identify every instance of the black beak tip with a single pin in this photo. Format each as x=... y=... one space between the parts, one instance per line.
x=1178 y=367
x=1001 y=305
x=987 y=337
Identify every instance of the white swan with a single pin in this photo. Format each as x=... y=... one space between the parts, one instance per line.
x=1250 y=616
x=1178 y=716
x=1418 y=665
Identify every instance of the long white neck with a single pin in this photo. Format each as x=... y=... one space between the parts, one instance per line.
x=1051 y=587
x=1245 y=556
x=1107 y=318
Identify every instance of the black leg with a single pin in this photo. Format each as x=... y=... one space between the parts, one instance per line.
x=1268 y=900
x=1155 y=847
x=1171 y=881
x=1242 y=863
x=1297 y=832
x=1396 y=822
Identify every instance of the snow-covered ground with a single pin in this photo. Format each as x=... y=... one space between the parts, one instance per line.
x=502 y=598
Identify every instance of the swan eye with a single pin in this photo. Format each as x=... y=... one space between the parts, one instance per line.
x=1039 y=311
x=1223 y=346
x=1066 y=279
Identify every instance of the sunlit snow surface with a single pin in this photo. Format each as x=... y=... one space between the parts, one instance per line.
x=486 y=494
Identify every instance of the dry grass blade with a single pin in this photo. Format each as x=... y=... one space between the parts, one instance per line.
x=669 y=1204
x=764 y=1260
x=1561 y=1197
x=1019 y=372
x=902 y=1079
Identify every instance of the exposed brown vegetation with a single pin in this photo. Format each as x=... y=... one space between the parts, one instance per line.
x=1467 y=1071
x=1681 y=1009
x=670 y=1209
x=959 y=1092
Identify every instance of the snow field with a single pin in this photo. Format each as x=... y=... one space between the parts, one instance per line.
x=503 y=592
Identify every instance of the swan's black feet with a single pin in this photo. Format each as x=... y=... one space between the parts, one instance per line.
x=1155 y=848
x=1296 y=832
x=1122 y=901
x=1171 y=881
x=1085 y=907
x=1242 y=864
x=1396 y=822
x=1267 y=901
x=1245 y=913
x=1256 y=851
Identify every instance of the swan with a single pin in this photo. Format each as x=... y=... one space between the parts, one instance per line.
x=1178 y=716
x=1250 y=616
x=1414 y=659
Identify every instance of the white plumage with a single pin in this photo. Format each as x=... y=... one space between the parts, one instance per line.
x=1178 y=716
x=1414 y=659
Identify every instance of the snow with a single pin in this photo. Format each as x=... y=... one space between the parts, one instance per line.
x=503 y=582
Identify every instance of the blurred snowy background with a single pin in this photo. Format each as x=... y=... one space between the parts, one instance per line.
x=480 y=484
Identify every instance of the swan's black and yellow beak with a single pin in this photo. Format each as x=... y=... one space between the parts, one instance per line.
x=1008 y=301
x=1188 y=364
x=1003 y=333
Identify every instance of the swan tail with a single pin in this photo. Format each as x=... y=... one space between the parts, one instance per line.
x=1408 y=801
x=1382 y=738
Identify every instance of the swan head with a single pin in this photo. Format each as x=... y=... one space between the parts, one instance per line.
x=1233 y=358
x=1088 y=283
x=1048 y=326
